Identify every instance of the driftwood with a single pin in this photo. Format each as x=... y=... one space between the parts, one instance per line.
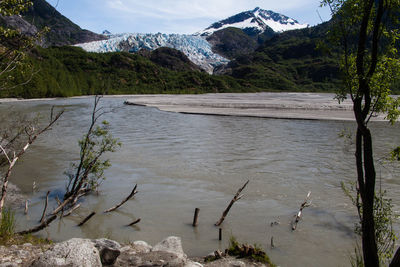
x=305 y=204
x=72 y=198
x=196 y=216
x=123 y=201
x=41 y=226
x=45 y=206
x=134 y=222
x=26 y=207
x=71 y=210
x=87 y=218
x=234 y=199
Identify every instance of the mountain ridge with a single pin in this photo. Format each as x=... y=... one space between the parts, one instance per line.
x=62 y=30
x=254 y=22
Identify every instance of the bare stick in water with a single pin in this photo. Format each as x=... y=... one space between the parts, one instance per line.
x=87 y=218
x=45 y=206
x=123 y=201
x=72 y=210
x=41 y=226
x=305 y=204
x=234 y=199
x=134 y=222
x=26 y=207
x=196 y=216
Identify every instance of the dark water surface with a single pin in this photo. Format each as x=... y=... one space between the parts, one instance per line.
x=181 y=162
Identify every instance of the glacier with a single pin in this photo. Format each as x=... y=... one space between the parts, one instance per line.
x=196 y=48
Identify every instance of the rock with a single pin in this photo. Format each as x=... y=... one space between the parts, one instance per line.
x=73 y=253
x=190 y=263
x=141 y=246
x=109 y=250
x=172 y=244
x=9 y=264
x=233 y=262
x=151 y=259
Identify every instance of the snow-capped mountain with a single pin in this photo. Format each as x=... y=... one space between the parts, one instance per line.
x=256 y=21
x=196 y=48
x=106 y=33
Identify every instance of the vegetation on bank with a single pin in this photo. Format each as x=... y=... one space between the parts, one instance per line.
x=70 y=71
x=7 y=232
x=242 y=251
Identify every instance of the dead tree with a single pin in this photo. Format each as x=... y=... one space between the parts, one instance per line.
x=41 y=226
x=45 y=206
x=303 y=205
x=123 y=201
x=234 y=199
x=32 y=134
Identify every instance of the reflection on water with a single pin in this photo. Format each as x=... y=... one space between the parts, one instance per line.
x=181 y=162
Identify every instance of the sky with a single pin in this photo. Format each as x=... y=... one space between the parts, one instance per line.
x=176 y=16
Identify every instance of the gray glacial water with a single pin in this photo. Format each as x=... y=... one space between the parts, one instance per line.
x=182 y=161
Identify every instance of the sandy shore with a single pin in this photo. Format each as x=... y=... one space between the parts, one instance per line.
x=310 y=106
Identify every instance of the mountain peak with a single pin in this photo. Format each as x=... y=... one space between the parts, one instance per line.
x=257 y=20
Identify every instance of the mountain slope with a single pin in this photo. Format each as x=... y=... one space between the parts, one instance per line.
x=62 y=30
x=232 y=42
x=289 y=61
x=171 y=59
x=70 y=71
x=254 y=22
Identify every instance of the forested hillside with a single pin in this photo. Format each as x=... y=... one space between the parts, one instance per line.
x=70 y=71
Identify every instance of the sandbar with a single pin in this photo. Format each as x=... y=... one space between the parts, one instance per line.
x=307 y=106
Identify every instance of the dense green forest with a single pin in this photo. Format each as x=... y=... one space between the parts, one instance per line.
x=70 y=71
x=290 y=61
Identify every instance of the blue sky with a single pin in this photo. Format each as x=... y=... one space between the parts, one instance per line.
x=175 y=16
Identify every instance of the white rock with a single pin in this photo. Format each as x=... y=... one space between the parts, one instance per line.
x=74 y=252
x=171 y=244
x=193 y=264
x=141 y=246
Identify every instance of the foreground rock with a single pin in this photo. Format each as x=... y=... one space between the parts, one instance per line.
x=104 y=252
x=74 y=252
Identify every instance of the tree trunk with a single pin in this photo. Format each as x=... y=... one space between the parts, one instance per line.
x=370 y=249
x=366 y=182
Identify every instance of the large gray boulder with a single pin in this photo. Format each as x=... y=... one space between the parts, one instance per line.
x=72 y=253
x=109 y=250
x=141 y=246
x=172 y=244
x=150 y=259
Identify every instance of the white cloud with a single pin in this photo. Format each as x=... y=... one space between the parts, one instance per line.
x=173 y=16
x=185 y=9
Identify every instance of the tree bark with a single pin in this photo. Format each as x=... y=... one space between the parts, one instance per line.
x=41 y=226
x=123 y=201
x=234 y=199
x=396 y=259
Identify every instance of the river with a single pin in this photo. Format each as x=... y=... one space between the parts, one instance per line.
x=182 y=162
